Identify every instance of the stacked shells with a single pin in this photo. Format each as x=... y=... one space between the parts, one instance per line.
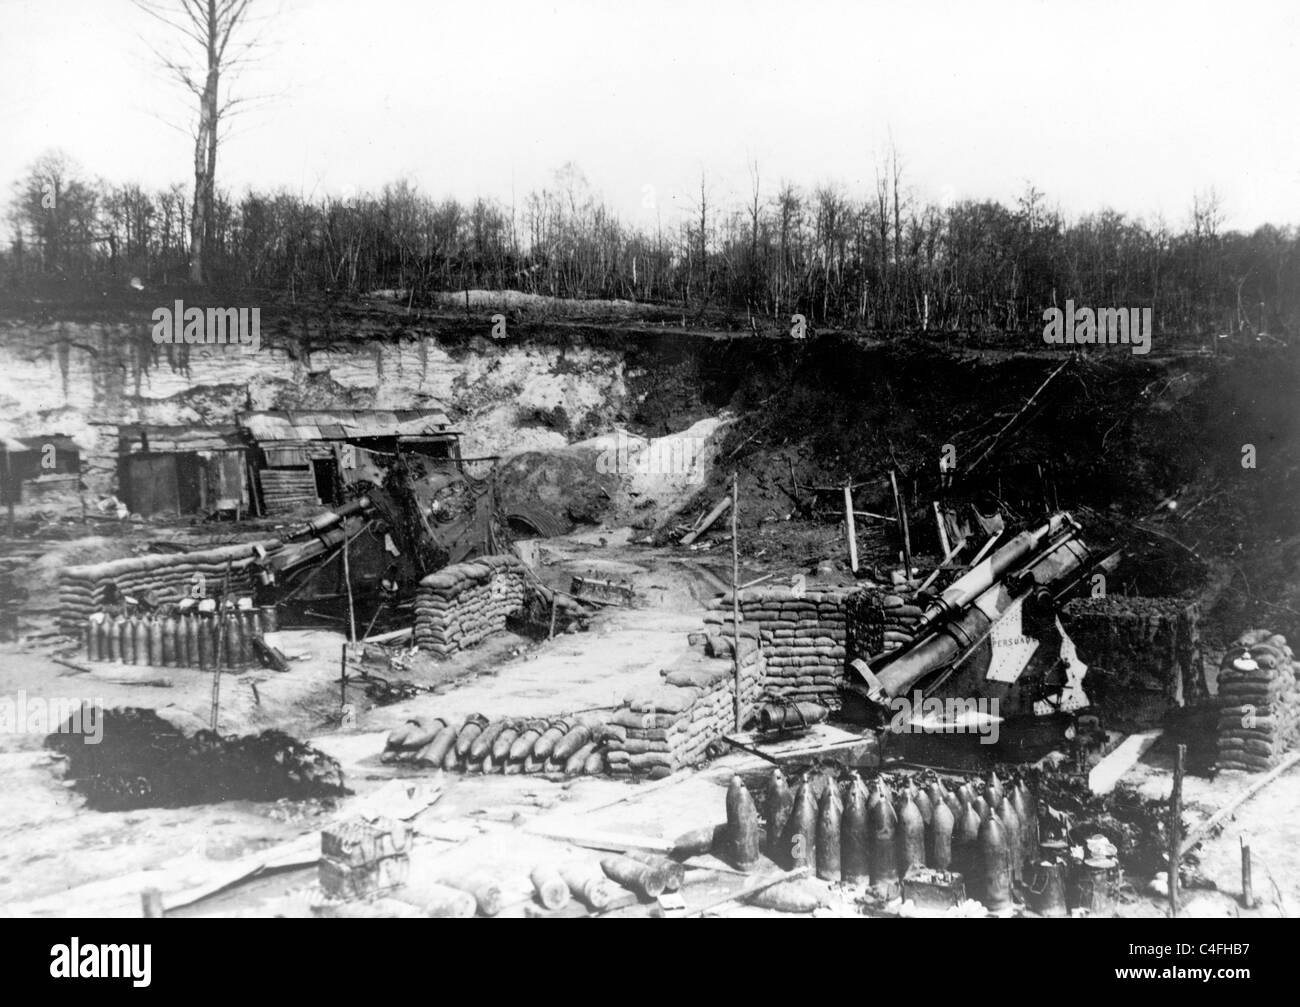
x=84 y=590
x=1259 y=706
x=172 y=639
x=557 y=746
x=461 y=605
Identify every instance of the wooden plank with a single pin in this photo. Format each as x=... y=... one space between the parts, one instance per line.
x=597 y=839
x=817 y=736
x=750 y=890
x=1108 y=772
x=851 y=529
x=707 y=523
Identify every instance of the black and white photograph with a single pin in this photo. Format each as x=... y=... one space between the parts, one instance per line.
x=580 y=459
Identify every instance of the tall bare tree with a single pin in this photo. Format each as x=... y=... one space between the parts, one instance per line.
x=209 y=27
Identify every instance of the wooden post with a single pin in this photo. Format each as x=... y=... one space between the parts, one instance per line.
x=851 y=529
x=343 y=677
x=216 y=672
x=550 y=633
x=10 y=492
x=735 y=598
x=943 y=531
x=1176 y=828
x=347 y=583
x=151 y=903
x=1248 y=900
x=902 y=524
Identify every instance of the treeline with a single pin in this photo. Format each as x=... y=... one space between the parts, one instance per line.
x=883 y=261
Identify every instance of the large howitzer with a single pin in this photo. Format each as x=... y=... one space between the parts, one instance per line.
x=1032 y=565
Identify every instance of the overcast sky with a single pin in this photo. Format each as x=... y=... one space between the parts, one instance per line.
x=1128 y=104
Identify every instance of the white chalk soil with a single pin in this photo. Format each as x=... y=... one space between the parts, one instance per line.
x=57 y=858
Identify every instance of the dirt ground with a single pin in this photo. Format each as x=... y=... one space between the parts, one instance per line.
x=59 y=859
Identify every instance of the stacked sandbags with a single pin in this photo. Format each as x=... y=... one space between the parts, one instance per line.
x=461 y=605
x=555 y=746
x=803 y=637
x=1259 y=705
x=879 y=622
x=1145 y=653
x=83 y=590
x=664 y=728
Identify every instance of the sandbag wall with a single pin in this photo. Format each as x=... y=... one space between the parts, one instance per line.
x=462 y=605
x=802 y=635
x=1144 y=652
x=879 y=622
x=1259 y=707
x=83 y=590
x=666 y=727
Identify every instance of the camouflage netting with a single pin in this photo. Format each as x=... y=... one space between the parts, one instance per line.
x=1144 y=654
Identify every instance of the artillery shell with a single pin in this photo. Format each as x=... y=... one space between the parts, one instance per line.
x=524 y=743
x=995 y=889
x=923 y=804
x=777 y=805
x=588 y=886
x=398 y=735
x=570 y=743
x=486 y=891
x=440 y=901
x=854 y=842
x=742 y=826
x=501 y=746
x=422 y=736
x=966 y=858
x=1011 y=828
x=574 y=764
x=552 y=891
x=800 y=839
x=828 y=835
x=796 y=896
x=674 y=873
x=469 y=731
x=938 y=837
x=438 y=748
x=641 y=878
x=549 y=739
x=882 y=819
x=698 y=841
x=910 y=836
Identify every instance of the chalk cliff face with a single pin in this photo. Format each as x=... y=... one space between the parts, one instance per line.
x=84 y=379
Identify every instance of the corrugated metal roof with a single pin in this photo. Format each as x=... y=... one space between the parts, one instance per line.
x=341 y=424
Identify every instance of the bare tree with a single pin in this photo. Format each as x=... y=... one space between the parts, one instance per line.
x=209 y=26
